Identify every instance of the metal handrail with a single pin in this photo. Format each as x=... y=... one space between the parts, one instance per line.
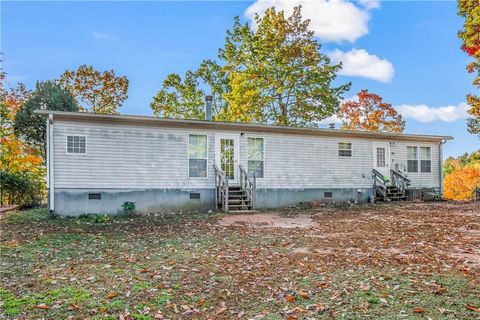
x=221 y=189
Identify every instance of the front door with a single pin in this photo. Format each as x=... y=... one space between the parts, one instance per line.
x=226 y=155
x=381 y=158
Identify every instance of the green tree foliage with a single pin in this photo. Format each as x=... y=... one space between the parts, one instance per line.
x=47 y=95
x=470 y=35
x=180 y=98
x=275 y=74
x=21 y=188
x=99 y=92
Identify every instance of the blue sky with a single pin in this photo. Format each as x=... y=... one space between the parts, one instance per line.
x=407 y=52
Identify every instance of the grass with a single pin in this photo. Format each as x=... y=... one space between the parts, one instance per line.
x=188 y=267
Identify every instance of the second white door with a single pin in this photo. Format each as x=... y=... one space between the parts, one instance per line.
x=226 y=155
x=381 y=157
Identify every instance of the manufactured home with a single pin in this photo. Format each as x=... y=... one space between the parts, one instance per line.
x=97 y=162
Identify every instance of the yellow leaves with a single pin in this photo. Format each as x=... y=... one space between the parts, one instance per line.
x=460 y=184
x=102 y=92
x=111 y=295
x=15 y=156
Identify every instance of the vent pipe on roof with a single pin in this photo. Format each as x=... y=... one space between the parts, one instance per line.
x=208 y=108
x=331 y=125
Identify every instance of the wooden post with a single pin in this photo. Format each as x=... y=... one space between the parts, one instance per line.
x=226 y=194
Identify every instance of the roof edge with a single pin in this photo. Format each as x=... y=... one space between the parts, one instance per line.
x=240 y=125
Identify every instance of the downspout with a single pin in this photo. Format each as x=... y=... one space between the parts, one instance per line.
x=440 y=158
x=50 y=167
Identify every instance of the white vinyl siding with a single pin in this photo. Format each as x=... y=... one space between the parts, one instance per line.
x=256 y=163
x=400 y=157
x=135 y=156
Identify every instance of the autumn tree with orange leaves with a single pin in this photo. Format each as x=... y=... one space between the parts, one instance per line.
x=98 y=92
x=370 y=113
x=462 y=176
x=470 y=35
x=21 y=166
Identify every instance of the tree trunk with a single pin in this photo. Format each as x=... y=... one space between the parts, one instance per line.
x=283 y=120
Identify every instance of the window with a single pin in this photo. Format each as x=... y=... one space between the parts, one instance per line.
x=425 y=159
x=197 y=156
x=344 y=149
x=76 y=144
x=255 y=157
x=412 y=159
x=381 y=163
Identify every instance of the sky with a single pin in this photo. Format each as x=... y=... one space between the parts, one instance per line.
x=405 y=51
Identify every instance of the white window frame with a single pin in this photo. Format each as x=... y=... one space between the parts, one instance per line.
x=188 y=154
x=420 y=159
x=73 y=153
x=417 y=159
x=264 y=166
x=351 y=149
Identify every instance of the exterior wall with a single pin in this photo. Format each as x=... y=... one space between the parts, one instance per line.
x=74 y=202
x=418 y=179
x=149 y=165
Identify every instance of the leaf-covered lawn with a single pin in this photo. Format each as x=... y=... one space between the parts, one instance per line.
x=404 y=261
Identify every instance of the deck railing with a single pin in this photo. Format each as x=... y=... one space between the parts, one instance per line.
x=249 y=185
x=379 y=184
x=221 y=189
x=399 y=180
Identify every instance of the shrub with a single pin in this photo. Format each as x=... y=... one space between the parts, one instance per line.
x=21 y=189
x=128 y=207
x=100 y=218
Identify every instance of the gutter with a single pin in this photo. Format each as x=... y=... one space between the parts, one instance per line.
x=440 y=159
x=50 y=167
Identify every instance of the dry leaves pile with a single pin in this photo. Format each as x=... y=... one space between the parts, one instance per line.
x=391 y=261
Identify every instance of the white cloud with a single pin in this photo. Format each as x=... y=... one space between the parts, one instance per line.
x=424 y=113
x=370 y=4
x=104 y=36
x=331 y=21
x=333 y=119
x=359 y=63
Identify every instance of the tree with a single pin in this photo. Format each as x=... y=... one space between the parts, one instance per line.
x=462 y=176
x=470 y=35
x=31 y=127
x=100 y=92
x=461 y=183
x=18 y=161
x=370 y=113
x=275 y=74
x=179 y=98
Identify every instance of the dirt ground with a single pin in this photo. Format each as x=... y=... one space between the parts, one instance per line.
x=393 y=261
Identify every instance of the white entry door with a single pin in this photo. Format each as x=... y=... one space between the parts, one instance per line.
x=381 y=157
x=226 y=155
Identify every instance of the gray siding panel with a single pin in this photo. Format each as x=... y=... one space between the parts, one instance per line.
x=122 y=156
